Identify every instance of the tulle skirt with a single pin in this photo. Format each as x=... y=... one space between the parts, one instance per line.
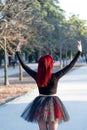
x=45 y=108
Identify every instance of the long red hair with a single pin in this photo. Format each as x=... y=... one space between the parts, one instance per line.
x=44 y=70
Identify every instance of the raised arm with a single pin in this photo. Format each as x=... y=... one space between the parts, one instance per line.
x=63 y=71
x=25 y=67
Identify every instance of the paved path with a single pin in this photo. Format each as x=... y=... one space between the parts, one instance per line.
x=73 y=92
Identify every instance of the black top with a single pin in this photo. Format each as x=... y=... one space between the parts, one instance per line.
x=51 y=88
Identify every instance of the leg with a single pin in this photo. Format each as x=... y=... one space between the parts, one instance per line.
x=53 y=125
x=42 y=125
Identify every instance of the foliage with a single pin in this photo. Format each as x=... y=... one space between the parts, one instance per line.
x=42 y=26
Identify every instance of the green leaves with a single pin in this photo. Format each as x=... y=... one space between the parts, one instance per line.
x=40 y=23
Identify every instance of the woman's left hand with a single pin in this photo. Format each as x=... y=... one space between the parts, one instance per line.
x=79 y=46
x=19 y=46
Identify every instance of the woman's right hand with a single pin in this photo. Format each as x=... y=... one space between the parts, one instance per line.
x=19 y=46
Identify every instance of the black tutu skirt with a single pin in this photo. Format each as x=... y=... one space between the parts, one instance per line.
x=45 y=108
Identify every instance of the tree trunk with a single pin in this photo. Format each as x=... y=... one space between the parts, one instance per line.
x=61 y=56
x=71 y=56
x=6 y=82
x=20 y=73
x=66 y=57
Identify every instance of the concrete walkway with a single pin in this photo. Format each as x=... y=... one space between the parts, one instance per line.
x=72 y=90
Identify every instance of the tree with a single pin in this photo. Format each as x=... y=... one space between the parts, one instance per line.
x=79 y=28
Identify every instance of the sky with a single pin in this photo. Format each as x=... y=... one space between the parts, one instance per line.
x=77 y=7
x=3 y=1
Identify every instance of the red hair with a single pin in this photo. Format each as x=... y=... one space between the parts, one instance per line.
x=44 y=70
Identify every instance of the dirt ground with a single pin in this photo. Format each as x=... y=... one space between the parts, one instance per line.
x=9 y=92
x=16 y=87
